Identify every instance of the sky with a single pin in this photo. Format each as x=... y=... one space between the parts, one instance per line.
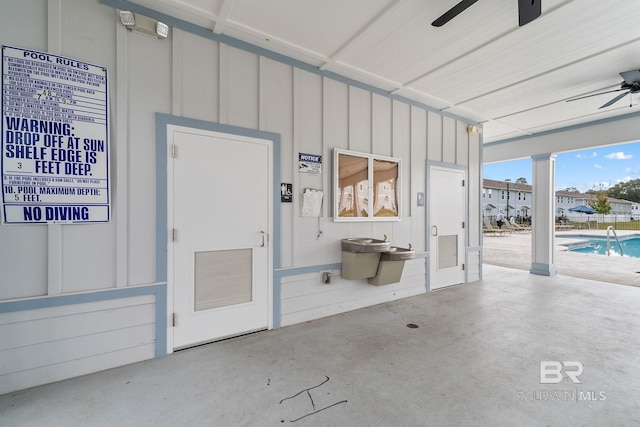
x=591 y=169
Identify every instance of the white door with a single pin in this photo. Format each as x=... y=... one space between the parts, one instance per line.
x=218 y=207
x=447 y=233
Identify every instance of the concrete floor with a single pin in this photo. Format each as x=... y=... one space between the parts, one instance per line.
x=514 y=251
x=473 y=360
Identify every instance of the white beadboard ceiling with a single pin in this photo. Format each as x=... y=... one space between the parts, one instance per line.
x=481 y=65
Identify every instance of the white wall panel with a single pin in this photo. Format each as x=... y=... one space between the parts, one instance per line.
x=276 y=115
x=335 y=130
x=434 y=137
x=239 y=100
x=307 y=131
x=74 y=368
x=449 y=143
x=417 y=178
x=24 y=14
x=199 y=79
x=307 y=128
x=359 y=120
x=402 y=150
x=462 y=144
x=50 y=344
x=87 y=32
x=305 y=298
x=149 y=92
x=381 y=133
x=23 y=276
x=90 y=257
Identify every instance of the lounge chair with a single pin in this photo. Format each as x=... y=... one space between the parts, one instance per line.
x=563 y=226
x=519 y=228
x=490 y=230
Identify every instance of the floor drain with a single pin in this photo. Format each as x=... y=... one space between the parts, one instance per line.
x=412 y=325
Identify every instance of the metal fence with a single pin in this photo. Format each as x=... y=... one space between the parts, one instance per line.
x=595 y=221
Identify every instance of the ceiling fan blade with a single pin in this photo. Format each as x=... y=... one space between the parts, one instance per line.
x=528 y=10
x=453 y=12
x=594 y=94
x=614 y=100
x=631 y=77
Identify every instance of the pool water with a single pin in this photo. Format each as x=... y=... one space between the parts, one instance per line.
x=630 y=247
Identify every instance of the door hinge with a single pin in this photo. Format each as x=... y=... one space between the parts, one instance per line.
x=463 y=182
x=462 y=224
x=173 y=319
x=174 y=232
x=173 y=150
x=462 y=270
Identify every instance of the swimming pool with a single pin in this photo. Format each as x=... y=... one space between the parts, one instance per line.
x=630 y=247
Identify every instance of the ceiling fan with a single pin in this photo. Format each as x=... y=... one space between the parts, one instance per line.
x=528 y=10
x=631 y=84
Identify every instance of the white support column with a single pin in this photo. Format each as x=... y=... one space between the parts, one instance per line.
x=543 y=240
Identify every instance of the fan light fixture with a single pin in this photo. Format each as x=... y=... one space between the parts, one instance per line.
x=144 y=24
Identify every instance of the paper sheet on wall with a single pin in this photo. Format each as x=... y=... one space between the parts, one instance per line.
x=311 y=202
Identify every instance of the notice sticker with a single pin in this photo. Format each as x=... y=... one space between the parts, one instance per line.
x=309 y=163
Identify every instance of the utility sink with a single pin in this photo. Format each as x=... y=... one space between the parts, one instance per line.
x=398 y=254
x=364 y=245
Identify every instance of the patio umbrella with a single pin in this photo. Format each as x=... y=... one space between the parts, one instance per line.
x=582 y=209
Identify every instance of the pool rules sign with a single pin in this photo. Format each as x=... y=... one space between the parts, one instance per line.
x=55 y=147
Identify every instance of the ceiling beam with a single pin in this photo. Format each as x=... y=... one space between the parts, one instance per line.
x=360 y=34
x=223 y=15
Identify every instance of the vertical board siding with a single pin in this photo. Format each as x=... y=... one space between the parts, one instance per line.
x=402 y=150
x=382 y=129
x=23 y=276
x=307 y=131
x=241 y=82
x=417 y=181
x=276 y=115
x=434 y=137
x=50 y=344
x=77 y=238
x=449 y=141
x=462 y=144
x=148 y=92
x=199 y=83
x=359 y=120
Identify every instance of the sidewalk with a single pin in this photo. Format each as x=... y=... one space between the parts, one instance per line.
x=515 y=252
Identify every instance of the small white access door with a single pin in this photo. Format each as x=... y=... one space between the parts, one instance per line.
x=219 y=206
x=446 y=228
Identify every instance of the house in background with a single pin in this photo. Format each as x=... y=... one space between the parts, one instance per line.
x=515 y=200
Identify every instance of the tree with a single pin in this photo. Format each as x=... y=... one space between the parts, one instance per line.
x=629 y=190
x=600 y=204
x=521 y=180
x=571 y=190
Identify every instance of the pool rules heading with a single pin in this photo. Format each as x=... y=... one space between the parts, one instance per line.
x=55 y=147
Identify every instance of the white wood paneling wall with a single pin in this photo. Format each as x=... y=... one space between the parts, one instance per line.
x=51 y=344
x=196 y=77
x=305 y=298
